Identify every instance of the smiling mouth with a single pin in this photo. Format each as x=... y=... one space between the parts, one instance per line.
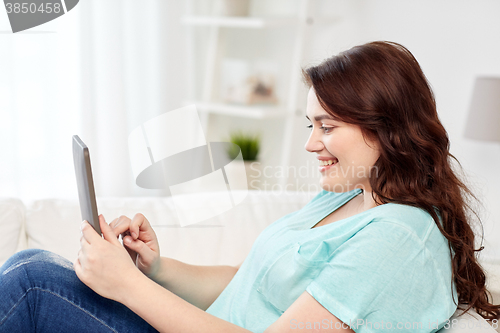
x=323 y=163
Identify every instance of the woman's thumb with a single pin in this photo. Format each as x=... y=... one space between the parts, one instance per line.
x=107 y=232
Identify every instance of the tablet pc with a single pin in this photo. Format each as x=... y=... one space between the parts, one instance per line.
x=85 y=183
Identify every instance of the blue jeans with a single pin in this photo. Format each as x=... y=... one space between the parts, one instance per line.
x=40 y=292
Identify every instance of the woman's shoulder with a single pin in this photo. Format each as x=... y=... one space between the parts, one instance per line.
x=401 y=212
x=414 y=219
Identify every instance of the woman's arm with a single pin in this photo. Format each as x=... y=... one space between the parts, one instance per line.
x=105 y=266
x=198 y=285
x=169 y=313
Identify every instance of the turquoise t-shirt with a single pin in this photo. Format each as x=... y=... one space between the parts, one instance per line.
x=385 y=269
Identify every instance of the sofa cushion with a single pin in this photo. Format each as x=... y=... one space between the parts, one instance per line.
x=491 y=266
x=54 y=225
x=468 y=322
x=11 y=223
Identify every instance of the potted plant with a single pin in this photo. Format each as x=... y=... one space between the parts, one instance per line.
x=249 y=145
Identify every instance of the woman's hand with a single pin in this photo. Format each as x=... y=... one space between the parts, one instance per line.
x=140 y=241
x=103 y=264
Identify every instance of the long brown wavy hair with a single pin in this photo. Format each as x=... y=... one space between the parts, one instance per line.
x=380 y=87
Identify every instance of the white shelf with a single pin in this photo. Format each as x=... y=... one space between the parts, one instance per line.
x=239 y=22
x=256 y=112
x=216 y=47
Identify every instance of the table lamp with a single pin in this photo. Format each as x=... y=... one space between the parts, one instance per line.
x=483 y=121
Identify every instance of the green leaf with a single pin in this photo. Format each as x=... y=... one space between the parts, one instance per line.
x=249 y=145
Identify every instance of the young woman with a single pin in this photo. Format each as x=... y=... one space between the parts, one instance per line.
x=386 y=245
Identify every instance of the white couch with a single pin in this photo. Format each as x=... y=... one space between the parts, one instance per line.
x=225 y=239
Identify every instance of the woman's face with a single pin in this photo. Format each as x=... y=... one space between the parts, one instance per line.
x=341 y=145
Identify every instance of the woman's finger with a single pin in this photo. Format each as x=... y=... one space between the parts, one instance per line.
x=77 y=266
x=113 y=225
x=84 y=245
x=120 y=225
x=80 y=259
x=89 y=233
x=107 y=232
x=126 y=233
x=139 y=223
x=83 y=241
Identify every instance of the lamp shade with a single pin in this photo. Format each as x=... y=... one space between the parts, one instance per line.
x=483 y=121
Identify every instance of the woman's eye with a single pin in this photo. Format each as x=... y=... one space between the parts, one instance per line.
x=326 y=129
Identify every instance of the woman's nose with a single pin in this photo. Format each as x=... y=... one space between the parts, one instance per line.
x=313 y=144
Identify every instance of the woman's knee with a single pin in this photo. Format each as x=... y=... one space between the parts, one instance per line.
x=35 y=262
x=24 y=254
